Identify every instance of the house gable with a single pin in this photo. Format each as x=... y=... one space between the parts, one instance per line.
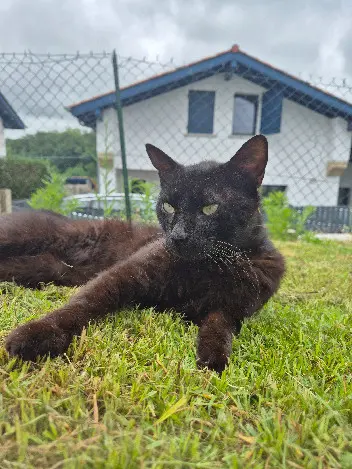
x=279 y=85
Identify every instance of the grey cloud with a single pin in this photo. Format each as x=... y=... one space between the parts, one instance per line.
x=290 y=35
x=300 y=37
x=346 y=50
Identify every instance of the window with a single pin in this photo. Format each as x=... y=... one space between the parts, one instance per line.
x=244 y=114
x=266 y=190
x=344 y=196
x=201 y=112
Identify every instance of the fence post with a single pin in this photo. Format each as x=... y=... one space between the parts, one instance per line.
x=5 y=201
x=122 y=135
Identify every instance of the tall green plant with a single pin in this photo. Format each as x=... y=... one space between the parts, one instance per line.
x=106 y=187
x=283 y=221
x=147 y=191
x=51 y=196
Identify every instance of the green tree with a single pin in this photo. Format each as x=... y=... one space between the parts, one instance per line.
x=68 y=149
x=22 y=176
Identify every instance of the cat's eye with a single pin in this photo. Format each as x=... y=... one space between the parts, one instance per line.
x=168 y=208
x=210 y=209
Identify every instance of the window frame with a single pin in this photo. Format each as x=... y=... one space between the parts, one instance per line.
x=255 y=100
x=196 y=131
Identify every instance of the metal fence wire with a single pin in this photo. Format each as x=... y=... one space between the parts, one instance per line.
x=205 y=110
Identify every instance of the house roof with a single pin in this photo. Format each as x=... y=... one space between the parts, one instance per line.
x=10 y=119
x=234 y=61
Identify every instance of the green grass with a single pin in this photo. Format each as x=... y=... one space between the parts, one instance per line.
x=128 y=394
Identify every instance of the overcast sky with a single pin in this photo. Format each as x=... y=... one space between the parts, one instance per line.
x=304 y=37
x=309 y=36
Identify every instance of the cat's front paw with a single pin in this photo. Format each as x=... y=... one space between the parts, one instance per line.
x=215 y=359
x=37 y=339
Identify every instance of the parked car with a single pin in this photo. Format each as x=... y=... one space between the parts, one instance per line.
x=113 y=205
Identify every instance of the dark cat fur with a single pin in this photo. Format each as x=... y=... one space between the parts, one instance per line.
x=214 y=269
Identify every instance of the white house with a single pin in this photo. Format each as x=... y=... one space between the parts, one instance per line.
x=8 y=120
x=208 y=109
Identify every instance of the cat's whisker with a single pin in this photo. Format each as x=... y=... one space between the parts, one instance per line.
x=227 y=252
x=227 y=244
x=249 y=263
x=214 y=260
x=231 y=253
x=249 y=277
x=228 y=264
x=228 y=257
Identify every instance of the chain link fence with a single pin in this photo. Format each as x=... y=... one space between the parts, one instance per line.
x=67 y=109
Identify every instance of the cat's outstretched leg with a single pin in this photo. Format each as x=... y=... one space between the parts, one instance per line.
x=137 y=280
x=215 y=340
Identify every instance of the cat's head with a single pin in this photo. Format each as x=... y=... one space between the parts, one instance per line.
x=203 y=205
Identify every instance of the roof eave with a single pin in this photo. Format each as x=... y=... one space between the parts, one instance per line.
x=11 y=120
x=328 y=104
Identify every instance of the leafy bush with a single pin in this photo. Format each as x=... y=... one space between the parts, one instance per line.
x=283 y=221
x=148 y=193
x=23 y=177
x=147 y=190
x=51 y=196
x=142 y=211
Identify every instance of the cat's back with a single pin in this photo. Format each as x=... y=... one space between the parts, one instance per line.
x=111 y=240
x=99 y=242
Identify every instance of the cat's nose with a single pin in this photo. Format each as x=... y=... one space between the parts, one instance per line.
x=179 y=234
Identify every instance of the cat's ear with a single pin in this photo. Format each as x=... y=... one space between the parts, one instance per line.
x=160 y=160
x=252 y=157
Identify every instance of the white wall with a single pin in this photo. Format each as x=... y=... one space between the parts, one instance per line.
x=298 y=155
x=2 y=140
x=108 y=145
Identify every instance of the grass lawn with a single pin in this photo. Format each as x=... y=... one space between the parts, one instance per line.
x=128 y=394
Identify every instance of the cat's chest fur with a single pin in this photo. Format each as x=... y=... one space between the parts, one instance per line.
x=195 y=289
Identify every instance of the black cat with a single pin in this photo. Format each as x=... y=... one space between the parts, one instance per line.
x=212 y=260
